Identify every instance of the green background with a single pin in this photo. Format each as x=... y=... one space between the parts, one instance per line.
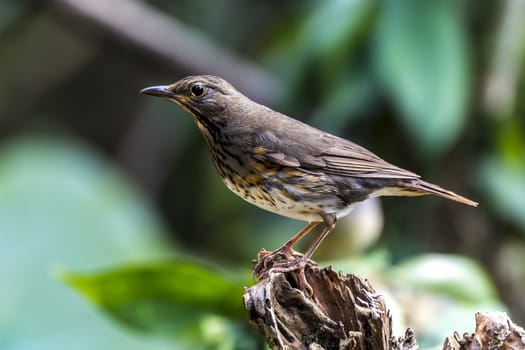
x=115 y=230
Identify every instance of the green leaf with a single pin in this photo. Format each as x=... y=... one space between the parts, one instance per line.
x=504 y=181
x=422 y=60
x=447 y=275
x=332 y=33
x=325 y=39
x=342 y=105
x=320 y=58
x=162 y=295
x=60 y=202
x=444 y=289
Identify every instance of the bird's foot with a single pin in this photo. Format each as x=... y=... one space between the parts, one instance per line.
x=268 y=259
x=283 y=260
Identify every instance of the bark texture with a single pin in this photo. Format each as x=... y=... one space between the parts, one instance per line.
x=345 y=312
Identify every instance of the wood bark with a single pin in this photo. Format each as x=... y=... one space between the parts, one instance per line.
x=345 y=312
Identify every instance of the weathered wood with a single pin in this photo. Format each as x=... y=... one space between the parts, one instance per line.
x=494 y=331
x=345 y=312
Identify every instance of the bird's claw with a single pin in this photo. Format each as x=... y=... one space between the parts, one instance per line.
x=267 y=259
x=282 y=261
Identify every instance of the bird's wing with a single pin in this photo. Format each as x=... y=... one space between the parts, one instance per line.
x=280 y=150
x=321 y=151
x=348 y=159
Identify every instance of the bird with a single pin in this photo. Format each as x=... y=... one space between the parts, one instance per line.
x=288 y=167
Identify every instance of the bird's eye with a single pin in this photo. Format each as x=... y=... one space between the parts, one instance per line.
x=197 y=90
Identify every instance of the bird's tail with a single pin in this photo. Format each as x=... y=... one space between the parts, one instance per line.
x=424 y=187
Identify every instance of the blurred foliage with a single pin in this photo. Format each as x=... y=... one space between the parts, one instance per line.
x=118 y=188
x=446 y=286
x=61 y=203
x=183 y=300
x=422 y=59
x=428 y=290
x=448 y=276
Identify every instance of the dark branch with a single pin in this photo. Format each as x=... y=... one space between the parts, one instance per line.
x=174 y=42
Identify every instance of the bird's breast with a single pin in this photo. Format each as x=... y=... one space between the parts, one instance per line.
x=287 y=193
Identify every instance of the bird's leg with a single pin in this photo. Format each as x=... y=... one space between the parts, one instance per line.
x=300 y=264
x=329 y=224
x=285 y=250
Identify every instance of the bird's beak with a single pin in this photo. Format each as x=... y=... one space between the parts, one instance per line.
x=160 y=91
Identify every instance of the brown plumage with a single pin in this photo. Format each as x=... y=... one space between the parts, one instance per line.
x=285 y=166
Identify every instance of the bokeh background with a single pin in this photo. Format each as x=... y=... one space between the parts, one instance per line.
x=115 y=230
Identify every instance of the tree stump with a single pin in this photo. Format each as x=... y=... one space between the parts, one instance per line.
x=494 y=331
x=345 y=312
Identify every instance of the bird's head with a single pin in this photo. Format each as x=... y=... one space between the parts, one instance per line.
x=206 y=97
